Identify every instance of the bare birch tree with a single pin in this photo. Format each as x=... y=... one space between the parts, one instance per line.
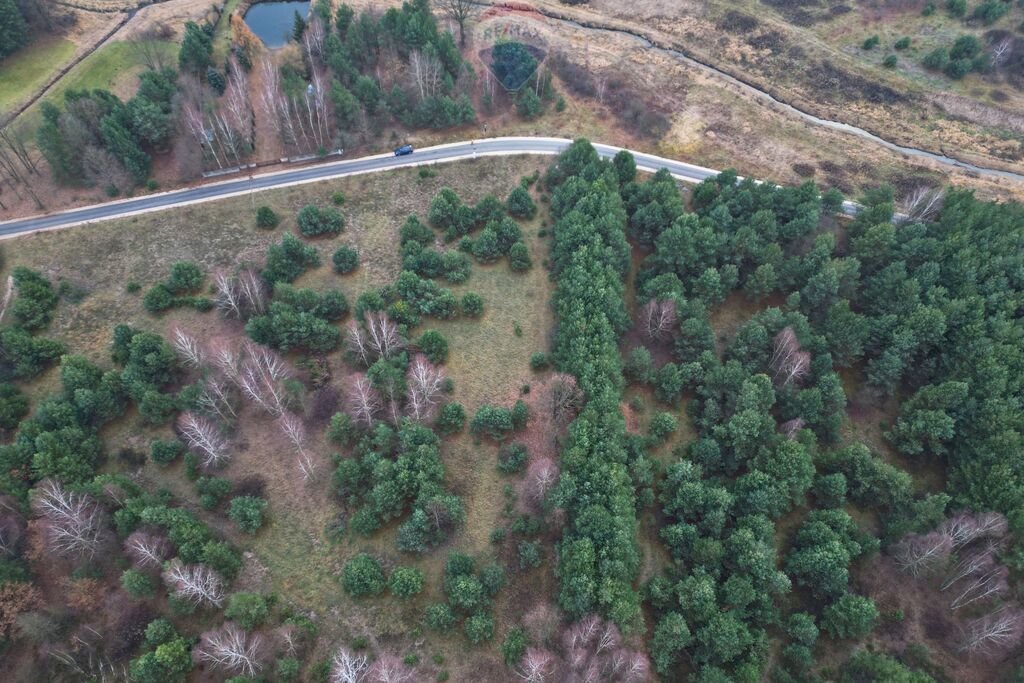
x=348 y=667
x=216 y=399
x=537 y=666
x=965 y=527
x=203 y=437
x=658 y=319
x=188 y=348
x=919 y=554
x=541 y=477
x=357 y=341
x=195 y=583
x=986 y=585
x=426 y=385
x=383 y=335
x=364 y=401
x=227 y=298
x=253 y=291
x=261 y=379
x=389 y=669
x=997 y=632
x=231 y=649
x=147 y=550
x=923 y=204
x=426 y=73
x=979 y=561
x=74 y=521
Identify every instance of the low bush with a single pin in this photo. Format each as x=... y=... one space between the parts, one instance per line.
x=345 y=259
x=247 y=513
x=362 y=576
x=314 y=221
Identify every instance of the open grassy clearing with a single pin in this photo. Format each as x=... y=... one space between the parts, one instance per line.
x=292 y=556
x=24 y=72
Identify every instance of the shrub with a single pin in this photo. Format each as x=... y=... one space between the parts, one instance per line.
x=345 y=259
x=661 y=426
x=434 y=346
x=266 y=218
x=956 y=8
x=440 y=617
x=520 y=414
x=212 y=490
x=137 y=584
x=520 y=204
x=870 y=43
x=491 y=420
x=539 y=361
x=288 y=669
x=34 y=304
x=289 y=259
x=512 y=458
x=363 y=576
x=405 y=582
x=250 y=610
x=451 y=419
x=158 y=298
x=528 y=105
x=889 y=62
x=247 y=513
x=902 y=43
x=338 y=199
x=529 y=554
x=514 y=646
x=13 y=405
x=165 y=452
x=851 y=616
x=314 y=221
x=472 y=305
x=185 y=277
x=937 y=59
x=519 y=257
x=479 y=628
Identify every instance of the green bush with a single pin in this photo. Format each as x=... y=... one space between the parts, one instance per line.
x=434 y=346
x=851 y=616
x=528 y=105
x=902 y=43
x=212 y=490
x=451 y=419
x=266 y=218
x=288 y=669
x=529 y=554
x=520 y=414
x=479 y=628
x=539 y=361
x=440 y=617
x=405 y=582
x=472 y=305
x=519 y=257
x=289 y=259
x=362 y=576
x=520 y=204
x=13 y=406
x=338 y=199
x=661 y=426
x=35 y=301
x=137 y=584
x=185 y=277
x=956 y=8
x=512 y=458
x=314 y=221
x=250 y=610
x=158 y=298
x=247 y=513
x=492 y=421
x=889 y=62
x=514 y=646
x=871 y=43
x=345 y=259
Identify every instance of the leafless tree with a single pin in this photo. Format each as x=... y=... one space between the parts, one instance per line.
x=541 y=477
x=226 y=358
x=348 y=667
x=389 y=669
x=203 y=436
x=982 y=586
x=261 y=378
x=227 y=299
x=12 y=528
x=1001 y=52
x=364 y=401
x=426 y=73
x=74 y=522
x=426 y=384
x=965 y=527
x=195 y=123
x=313 y=39
x=230 y=649
x=789 y=362
x=382 y=335
x=195 y=583
x=147 y=550
x=977 y=562
x=188 y=348
x=236 y=102
x=253 y=292
x=564 y=399
x=357 y=341
x=293 y=429
x=216 y=399
x=637 y=669
x=537 y=666
x=997 y=632
x=269 y=91
x=148 y=45
x=792 y=427
x=658 y=319
x=923 y=204
x=461 y=12
x=919 y=554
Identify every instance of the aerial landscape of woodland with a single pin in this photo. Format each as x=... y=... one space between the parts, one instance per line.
x=526 y=340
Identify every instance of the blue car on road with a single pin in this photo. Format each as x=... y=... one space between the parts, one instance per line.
x=403 y=150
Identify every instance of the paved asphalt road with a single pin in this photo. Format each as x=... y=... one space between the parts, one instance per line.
x=241 y=185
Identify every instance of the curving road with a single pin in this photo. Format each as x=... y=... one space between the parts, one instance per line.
x=336 y=169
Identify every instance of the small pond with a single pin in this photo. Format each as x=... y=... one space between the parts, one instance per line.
x=272 y=22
